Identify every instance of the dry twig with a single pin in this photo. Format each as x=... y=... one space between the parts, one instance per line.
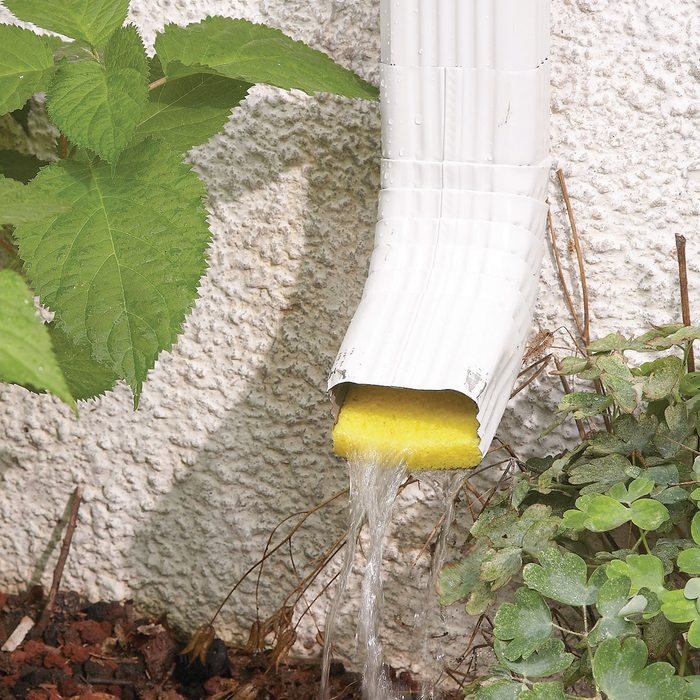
x=685 y=302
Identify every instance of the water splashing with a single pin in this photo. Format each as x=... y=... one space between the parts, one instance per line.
x=447 y=485
x=374 y=485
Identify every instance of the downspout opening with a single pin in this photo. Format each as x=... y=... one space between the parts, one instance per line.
x=426 y=429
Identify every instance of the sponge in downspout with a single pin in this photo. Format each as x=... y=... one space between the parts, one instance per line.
x=427 y=429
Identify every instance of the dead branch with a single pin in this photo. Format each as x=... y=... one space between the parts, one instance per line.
x=685 y=302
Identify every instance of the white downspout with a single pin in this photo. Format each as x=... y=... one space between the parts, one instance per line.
x=460 y=235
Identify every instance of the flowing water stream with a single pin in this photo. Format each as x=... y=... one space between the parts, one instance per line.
x=373 y=489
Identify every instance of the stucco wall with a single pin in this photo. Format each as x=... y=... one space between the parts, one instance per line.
x=233 y=431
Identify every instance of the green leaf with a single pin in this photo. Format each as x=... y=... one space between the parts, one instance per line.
x=26 y=64
x=612 y=600
x=672 y=434
x=186 y=112
x=630 y=435
x=618 y=381
x=677 y=608
x=584 y=404
x=19 y=166
x=549 y=659
x=525 y=624
x=572 y=365
x=695 y=528
x=649 y=514
x=91 y=21
x=694 y=633
x=693 y=686
x=563 y=577
x=121 y=267
x=20 y=205
x=499 y=566
x=689 y=561
x=621 y=672
x=659 y=634
x=601 y=474
x=26 y=356
x=86 y=378
x=609 y=343
x=458 y=580
x=690 y=384
x=99 y=106
x=638 y=488
x=602 y=513
x=642 y=570
x=544 y=691
x=254 y=53
x=500 y=690
x=662 y=375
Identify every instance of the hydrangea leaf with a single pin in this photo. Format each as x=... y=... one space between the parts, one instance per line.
x=188 y=111
x=121 y=266
x=254 y=53
x=642 y=570
x=26 y=355
x=92 y=21
x=563 y=577
x=621 y=672
x=648 y=514
x=612 y=599
x=26 y=64
x=19 y=166
x=86 y=378
x=549 y=659
x=98 y=106
x=20 y=205
x=526 y=624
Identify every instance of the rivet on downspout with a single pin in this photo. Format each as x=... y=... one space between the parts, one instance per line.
x=429 y=360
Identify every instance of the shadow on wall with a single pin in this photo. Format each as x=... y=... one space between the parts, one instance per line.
x=271 y=454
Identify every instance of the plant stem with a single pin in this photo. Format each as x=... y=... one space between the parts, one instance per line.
x=684 y=659
x=685 y=302
x=158 y=83
x=566 y=631
x=62 y=147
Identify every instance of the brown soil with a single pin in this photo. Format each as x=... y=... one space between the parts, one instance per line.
x=104 y=651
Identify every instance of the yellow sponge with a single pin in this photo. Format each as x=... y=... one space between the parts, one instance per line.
x=427 y=429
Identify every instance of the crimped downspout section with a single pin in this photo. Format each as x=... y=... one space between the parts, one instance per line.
x=460 y=235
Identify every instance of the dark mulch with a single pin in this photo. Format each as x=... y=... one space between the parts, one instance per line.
x=105 y=651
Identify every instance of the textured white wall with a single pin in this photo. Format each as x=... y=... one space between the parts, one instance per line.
x=233 y=433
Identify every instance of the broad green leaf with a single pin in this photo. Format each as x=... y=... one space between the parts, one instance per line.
x=642 y=570
x=26 y=64
x=662 y=375
x=693 y=686
x=621 y=672
x=648 y=514
x=563 y=577
x=499 y=566
x=500 y=690
x=508 y=529
x=638 y=488
x=694 y=633
x=648 y=341
x=614 y=366
x=629 y=435
x=98 y=106
x=457 y=581
x=549 y=659
x=672 y=495
x=601 y=474
x=86 y=378
x=674 y=431
x=659 y=635
x=689 y=561
x=26 y=355
x=612 y=599
x=680 y=337
x=622 y=391
x=602 y=513
x=572 y=365
x=544 y=691
x=254 y=53
x=526 y=624
x=663 y=474
x=19 y=166
x=584 y=404
x=677 y=608
x=695 y=528
x=185 y=112
x=90 y=20
x=20 y=205
x=692 y=589
x=690 y=384
x=609 y=343
x=121 y=267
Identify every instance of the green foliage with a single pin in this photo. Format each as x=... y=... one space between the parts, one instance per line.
x=614 y=578
x=26 y=64
x=26 y=355
x=113 y=237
